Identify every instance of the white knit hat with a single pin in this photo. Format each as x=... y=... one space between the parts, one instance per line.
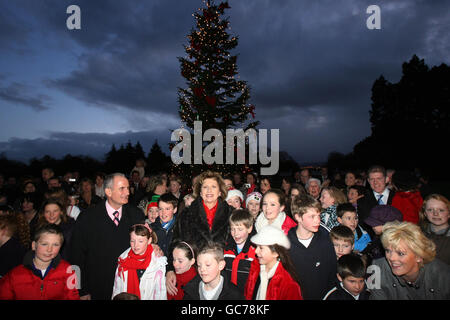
x=270 y=235
x=234 y=193
x=253 y=196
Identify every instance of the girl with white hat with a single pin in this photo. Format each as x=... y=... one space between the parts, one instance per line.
x=272 y=275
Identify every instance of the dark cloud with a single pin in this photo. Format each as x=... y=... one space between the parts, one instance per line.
x=18 y=93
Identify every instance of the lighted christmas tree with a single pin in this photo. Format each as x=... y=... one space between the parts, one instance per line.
x=214 y=95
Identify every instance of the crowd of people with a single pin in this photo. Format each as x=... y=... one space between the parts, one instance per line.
x=364 y=234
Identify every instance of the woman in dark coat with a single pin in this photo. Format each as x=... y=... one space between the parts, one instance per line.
x=205 y=220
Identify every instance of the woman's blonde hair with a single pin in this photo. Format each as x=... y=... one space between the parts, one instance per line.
x=423 y=221
x=210 y=175
x=338 y=196
x=412 y=236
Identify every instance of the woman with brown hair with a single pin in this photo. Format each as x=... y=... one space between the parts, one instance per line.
x=205 y=220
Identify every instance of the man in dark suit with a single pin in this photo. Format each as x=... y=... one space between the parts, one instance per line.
x=379 y=193
x=100 y=235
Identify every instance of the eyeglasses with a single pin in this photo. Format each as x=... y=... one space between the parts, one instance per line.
x=435 y=210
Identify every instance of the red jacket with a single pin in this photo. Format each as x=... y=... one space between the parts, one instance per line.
x=21 y=283
x=409 y=204
x=288 y=224
x=281 y=285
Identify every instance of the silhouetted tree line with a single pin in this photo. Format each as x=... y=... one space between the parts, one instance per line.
x=410 y=122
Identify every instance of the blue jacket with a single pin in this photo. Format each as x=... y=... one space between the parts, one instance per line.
x=362 y=239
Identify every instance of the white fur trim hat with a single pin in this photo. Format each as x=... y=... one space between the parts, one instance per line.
x=253 y=196
x=270 y=235
x=234 y=193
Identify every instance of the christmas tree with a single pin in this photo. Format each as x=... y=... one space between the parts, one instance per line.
x=214 y=95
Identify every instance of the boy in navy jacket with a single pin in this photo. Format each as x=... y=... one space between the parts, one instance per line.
x=311 y=251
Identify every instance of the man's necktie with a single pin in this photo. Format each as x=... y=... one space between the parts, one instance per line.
x=380 y=197
x=116 y=217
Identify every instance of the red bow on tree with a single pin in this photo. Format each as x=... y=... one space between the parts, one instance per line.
x=252 y=110
x=223 y=6
x=198 y=91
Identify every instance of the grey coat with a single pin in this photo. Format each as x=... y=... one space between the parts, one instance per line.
x=433 y=283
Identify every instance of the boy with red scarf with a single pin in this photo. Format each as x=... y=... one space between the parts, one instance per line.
x=239 y=253
x=140 y=271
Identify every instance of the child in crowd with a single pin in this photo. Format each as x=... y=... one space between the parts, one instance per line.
x=163 y=225
x=235 y=198
x=239 y=253
x=11 y=250
x=272 y=275
x=152 y=212
x=273 y=203
x=43 y=274
x=188 y=199
x=184 y=264
x=378 y=217
x=347 y=216
x=434 y=218
x=209 y=284
x=351 y=272
x=140 y=271
x=354 y=193
x=343 y=240
x=312 y=251
x=253 y=203
x=73 y=211
x=330 y=198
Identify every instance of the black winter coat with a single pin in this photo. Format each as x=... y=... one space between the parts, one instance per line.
x=192 y=227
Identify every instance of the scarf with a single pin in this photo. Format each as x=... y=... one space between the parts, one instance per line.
x=182 y=280
x=262 y=221
x=131 y=264
x=166 y=226
x=210 y=213
x=264 y=277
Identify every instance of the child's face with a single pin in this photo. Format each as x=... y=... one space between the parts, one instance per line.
x=240 y=232
x=138 y=243
x=188 y=201
x=153 y=213
x=378 y=230
x=326 y=200
x=352 y=284
x=266 y=256
x=310 y=221
x=180 y=262
x=166 y=211
x=253 y=207
x=342 y=247
x=209 y=268
x=53 y=213
x=47 y=247
x=235 y=202
x=437 y=213
x=271 y=206
x=349 y=219
x=264 y=185
x=352 y=195
x=228 y=184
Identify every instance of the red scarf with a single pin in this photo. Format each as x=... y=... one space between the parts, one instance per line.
x=210 y=213
x=131 y=263
x=182 y=280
